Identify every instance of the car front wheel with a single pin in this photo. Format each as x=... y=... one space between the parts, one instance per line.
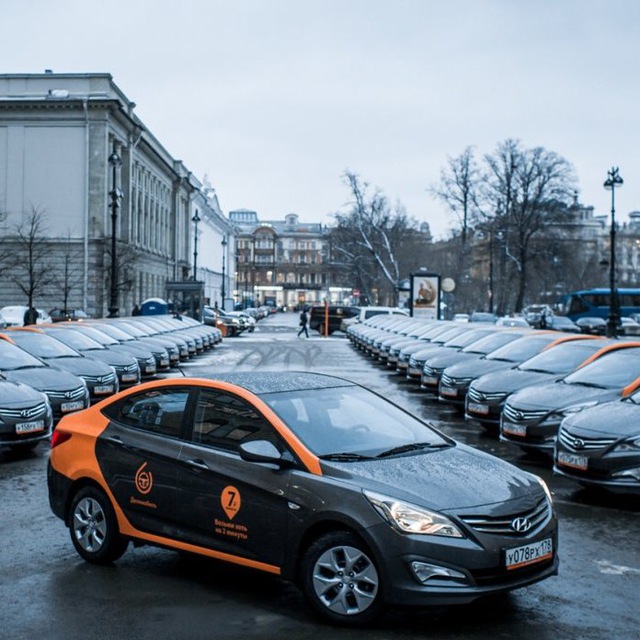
x=340 y=579
x=94 y=528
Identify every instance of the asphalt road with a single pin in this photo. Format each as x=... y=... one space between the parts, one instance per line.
x=47 y=591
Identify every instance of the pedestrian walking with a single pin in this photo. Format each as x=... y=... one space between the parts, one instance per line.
x=303 y=323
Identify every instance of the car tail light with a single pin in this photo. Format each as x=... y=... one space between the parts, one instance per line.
x=58 y=437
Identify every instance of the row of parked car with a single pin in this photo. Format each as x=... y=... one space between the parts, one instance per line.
x=50 y=370
x=573 y=399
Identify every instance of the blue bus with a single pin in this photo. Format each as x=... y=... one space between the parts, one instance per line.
x=595 y=303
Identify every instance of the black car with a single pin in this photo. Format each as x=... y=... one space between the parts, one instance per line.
x=435 y=365
x=25 y=416
x=600 y=446
x=487 y=394
x=531 y=417
x=100 y=378
x=112 y=338
x=309 y=477
x=124 y=364
x=326 y=319
x=65 y=391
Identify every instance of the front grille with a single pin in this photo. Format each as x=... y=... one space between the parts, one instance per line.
x=432 y=371
x=74 y=394
x=503 y=525
x=580 y=443
x=519 y=415
x=106 y=379
x=481 y=396
x=25 y=413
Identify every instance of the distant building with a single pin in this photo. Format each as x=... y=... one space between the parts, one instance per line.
x=57 y=134
x=283 y=262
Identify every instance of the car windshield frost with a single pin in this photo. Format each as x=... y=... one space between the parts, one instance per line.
x=520 y=350
x=353 y=421
x=12 y=358
x=43 y=346
x=613 y=371
x=562 y=358
x=491 y=342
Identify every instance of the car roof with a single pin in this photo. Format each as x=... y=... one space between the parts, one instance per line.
x=263 y=382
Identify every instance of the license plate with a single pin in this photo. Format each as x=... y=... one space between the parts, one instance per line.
x=129 y=377
x=30 y=427
x=430 y=380
x=514 y=429
x=448 y=391
x=164 y=362
x=102 y=389
x=150 y=369
x=528 y=554
x=71 y=406
x=477 y=407
x=567 y=459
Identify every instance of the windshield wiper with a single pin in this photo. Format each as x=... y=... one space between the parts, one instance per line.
x=414 y=446
x=344 y=457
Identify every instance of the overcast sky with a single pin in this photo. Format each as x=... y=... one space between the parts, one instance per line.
x=274 y=100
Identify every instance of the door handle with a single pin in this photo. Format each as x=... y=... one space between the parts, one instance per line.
x=198 y=463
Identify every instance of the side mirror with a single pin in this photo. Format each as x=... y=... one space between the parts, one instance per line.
x=261 y=451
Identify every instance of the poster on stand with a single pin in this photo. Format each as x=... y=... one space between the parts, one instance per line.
x=425 y=296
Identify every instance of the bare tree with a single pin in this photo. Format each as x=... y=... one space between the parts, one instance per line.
x=373 y=240
x=527 y=189
x=31 y=268
x=69 y=275
x=458 y=188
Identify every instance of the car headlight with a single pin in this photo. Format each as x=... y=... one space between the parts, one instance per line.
x=409 y=518
x=574 y=408
x=545 y=488
x=633 y=444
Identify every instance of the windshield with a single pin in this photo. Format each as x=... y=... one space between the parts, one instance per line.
x=115 y=333
x=522 y=349
x=350 y=420
x=465 y=339
x=614 y=370
x=491 y=342
x=42 y=346
x=75 y=339
x=12 y=358
x=99 y=336
x=561 y=358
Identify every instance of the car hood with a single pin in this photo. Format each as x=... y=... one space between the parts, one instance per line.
x=46 y=378
x=443 y=360
x=510 y=380
x=15 y=394
x=475 y=368
x=557 y=395
x=452 y=479
x=619 y=418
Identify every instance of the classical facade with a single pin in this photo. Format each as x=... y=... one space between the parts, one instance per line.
x=283 y=262
x=74 y=155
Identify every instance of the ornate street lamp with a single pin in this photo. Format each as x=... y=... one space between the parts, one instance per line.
x=195 y=220
x=115 y=194
x=613 y=180
x=224 y=251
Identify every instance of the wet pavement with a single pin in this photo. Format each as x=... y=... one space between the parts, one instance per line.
x=47 y=591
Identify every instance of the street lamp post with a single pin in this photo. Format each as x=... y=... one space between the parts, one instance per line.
x=195 y=220
x=613 y=180
x=115 y=194
x=224 y=251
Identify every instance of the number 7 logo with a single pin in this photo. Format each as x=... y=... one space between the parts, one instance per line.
x=230 y=501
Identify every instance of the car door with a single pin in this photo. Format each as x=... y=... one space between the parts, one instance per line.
x=225 y=503
x=138 y=453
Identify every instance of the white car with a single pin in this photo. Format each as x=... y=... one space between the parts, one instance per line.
x=368 y=312
x=14 y=315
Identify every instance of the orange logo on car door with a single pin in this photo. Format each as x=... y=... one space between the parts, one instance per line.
x=144 y=480
x=230 y=501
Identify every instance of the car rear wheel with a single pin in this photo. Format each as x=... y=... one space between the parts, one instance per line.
x=94 y=528
x=340 y=579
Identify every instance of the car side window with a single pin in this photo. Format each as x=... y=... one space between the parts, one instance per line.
x=159 y=411
x=225 y=421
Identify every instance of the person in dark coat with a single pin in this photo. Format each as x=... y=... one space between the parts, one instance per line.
x=303 y=323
